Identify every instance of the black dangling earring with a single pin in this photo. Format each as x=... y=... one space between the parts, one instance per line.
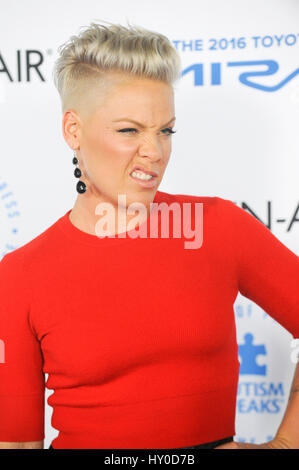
x=81 y=187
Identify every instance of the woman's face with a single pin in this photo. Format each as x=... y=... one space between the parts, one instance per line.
x=110 y=145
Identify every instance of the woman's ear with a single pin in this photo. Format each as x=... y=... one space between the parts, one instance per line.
x=71 y=128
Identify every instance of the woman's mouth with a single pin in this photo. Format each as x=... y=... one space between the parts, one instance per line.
x=145 y=180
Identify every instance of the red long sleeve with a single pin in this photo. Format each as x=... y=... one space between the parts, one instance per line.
x=22 y=385
x=137 y=336
x=267 y=269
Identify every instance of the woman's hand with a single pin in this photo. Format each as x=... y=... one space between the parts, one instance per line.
x=276 y=443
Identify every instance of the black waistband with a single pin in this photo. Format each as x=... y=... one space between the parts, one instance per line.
x=208 y=445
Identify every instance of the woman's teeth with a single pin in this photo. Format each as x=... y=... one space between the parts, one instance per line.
x=142 y=175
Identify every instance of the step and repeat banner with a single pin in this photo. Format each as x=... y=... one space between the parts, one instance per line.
x=237 y=108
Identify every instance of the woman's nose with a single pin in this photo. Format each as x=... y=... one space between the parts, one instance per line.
x=151 y=148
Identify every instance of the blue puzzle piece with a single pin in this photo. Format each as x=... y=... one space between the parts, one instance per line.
x=248 y=353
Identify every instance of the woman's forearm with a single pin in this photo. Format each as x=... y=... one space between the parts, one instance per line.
x=288 y=430
x=22 y=445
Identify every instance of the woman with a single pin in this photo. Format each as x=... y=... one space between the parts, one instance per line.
x=137 y=334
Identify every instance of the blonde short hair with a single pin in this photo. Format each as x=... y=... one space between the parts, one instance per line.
x=98 y=49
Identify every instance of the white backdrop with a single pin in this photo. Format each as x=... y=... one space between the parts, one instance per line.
x=237 y=108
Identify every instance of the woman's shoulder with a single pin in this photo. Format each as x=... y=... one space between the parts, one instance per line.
x=40 y=246
x=208 y=201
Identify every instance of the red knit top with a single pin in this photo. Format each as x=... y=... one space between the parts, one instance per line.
x=137 y=335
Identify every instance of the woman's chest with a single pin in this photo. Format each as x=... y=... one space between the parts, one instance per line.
x=109 y=314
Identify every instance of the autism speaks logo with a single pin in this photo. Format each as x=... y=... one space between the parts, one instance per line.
x=257 y=396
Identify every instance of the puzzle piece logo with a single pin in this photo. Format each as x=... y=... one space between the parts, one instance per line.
x=248 y=353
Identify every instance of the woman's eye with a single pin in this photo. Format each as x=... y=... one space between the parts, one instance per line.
x=169 y=130
x=129 y=129
x=126 y=130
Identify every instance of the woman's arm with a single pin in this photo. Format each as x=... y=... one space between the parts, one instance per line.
x=22 y=445
x=288 y=431
x=287 y=436
x=268 y=274
x=22 y=380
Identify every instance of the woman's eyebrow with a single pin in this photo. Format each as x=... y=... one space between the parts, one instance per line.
x=139 y=123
